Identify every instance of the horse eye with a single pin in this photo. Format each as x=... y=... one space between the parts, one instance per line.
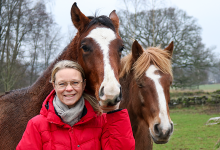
x=121 y=49
x=140 y=85
x=85 y=48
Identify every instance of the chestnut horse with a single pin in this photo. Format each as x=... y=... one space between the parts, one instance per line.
x=96 y=47
x=145 y=78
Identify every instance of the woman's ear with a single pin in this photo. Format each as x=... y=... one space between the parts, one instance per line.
x=53 y=85
x=84 y=84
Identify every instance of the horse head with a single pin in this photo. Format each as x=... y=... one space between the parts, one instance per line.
x=99 y=49
x=151 y=78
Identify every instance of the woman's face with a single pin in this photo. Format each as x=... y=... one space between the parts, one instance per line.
x=69 y=86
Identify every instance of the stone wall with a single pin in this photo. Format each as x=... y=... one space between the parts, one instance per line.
x=197 y=98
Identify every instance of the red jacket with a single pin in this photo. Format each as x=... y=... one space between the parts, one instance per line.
x=107 y=132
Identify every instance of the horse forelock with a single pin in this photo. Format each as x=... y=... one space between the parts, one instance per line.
x=156 y=56
x=153 y=55
x=103 y=20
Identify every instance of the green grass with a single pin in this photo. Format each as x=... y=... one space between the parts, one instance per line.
x=190 y=131
x=209 y=87
x=205 y=87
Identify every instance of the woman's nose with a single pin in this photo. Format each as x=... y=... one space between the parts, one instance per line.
x=69 y=87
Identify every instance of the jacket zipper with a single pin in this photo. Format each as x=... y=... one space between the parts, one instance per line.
x=72 y=130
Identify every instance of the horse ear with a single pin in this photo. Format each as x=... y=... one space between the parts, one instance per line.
x=78 y=18
x=169 y=49
x=115 y=20
x=136 y=50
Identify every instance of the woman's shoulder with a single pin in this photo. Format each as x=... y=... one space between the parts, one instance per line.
x=38 y=119
x=38 y=122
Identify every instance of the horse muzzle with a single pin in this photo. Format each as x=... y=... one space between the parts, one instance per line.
x=110 y=97
x=161 y=135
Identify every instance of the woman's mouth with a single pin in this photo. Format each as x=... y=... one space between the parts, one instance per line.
x=69 y=95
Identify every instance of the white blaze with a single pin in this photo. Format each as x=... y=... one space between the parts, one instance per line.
x=103 y=37
x=150 y=73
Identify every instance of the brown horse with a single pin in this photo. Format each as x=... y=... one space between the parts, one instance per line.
x=96 y=47
x=145 y=78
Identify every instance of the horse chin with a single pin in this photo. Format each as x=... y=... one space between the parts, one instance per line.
x=107 y=102
x=158 y=140
x=108 y=105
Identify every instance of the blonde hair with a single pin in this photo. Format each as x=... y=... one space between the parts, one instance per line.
x=66 y=64
x=74 y=65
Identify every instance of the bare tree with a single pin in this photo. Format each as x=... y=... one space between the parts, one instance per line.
x=130 y=6
x=27 y=32
x=160 y=27
x=44 y=40
x=41 y=20
x=15 y=26
x=129 y=17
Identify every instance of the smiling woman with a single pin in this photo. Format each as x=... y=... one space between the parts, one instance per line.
x=19 y=106
x=68 y=82
x=68 y=111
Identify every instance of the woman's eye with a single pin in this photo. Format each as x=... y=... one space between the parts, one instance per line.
x=75 y=83
x=61 y=84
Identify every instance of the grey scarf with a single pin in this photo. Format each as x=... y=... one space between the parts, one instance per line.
x=69 y=115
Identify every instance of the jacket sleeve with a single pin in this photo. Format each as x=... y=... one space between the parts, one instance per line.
x=117 y=133
x=31 y=138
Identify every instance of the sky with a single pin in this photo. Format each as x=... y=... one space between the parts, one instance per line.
x=207 y=13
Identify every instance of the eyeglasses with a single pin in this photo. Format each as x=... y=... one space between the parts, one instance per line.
x=73 y=84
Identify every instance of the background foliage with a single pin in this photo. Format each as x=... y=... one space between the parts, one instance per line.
x=193 y=63
x=30 y=40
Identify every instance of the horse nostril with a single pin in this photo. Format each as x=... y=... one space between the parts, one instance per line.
x=156 y=129
x=101 y=93
x=120 y=94
x=118 y=99
x=171 y=130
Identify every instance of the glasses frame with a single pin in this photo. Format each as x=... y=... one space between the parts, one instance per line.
x=68 y=83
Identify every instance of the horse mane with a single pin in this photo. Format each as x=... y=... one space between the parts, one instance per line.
x=103 y=20
x=126 y=65
x=14 y=91
x=152 y=55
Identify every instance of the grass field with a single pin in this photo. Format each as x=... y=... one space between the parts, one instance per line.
x=190 y=131
x=209 y=87
x=205 y=87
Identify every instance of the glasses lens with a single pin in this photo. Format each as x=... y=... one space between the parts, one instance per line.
x=74 y=84
x=61 y=85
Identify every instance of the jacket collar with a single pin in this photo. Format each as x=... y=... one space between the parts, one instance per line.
x=49 y=112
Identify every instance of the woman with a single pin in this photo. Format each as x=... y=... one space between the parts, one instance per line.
x=70 y=119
